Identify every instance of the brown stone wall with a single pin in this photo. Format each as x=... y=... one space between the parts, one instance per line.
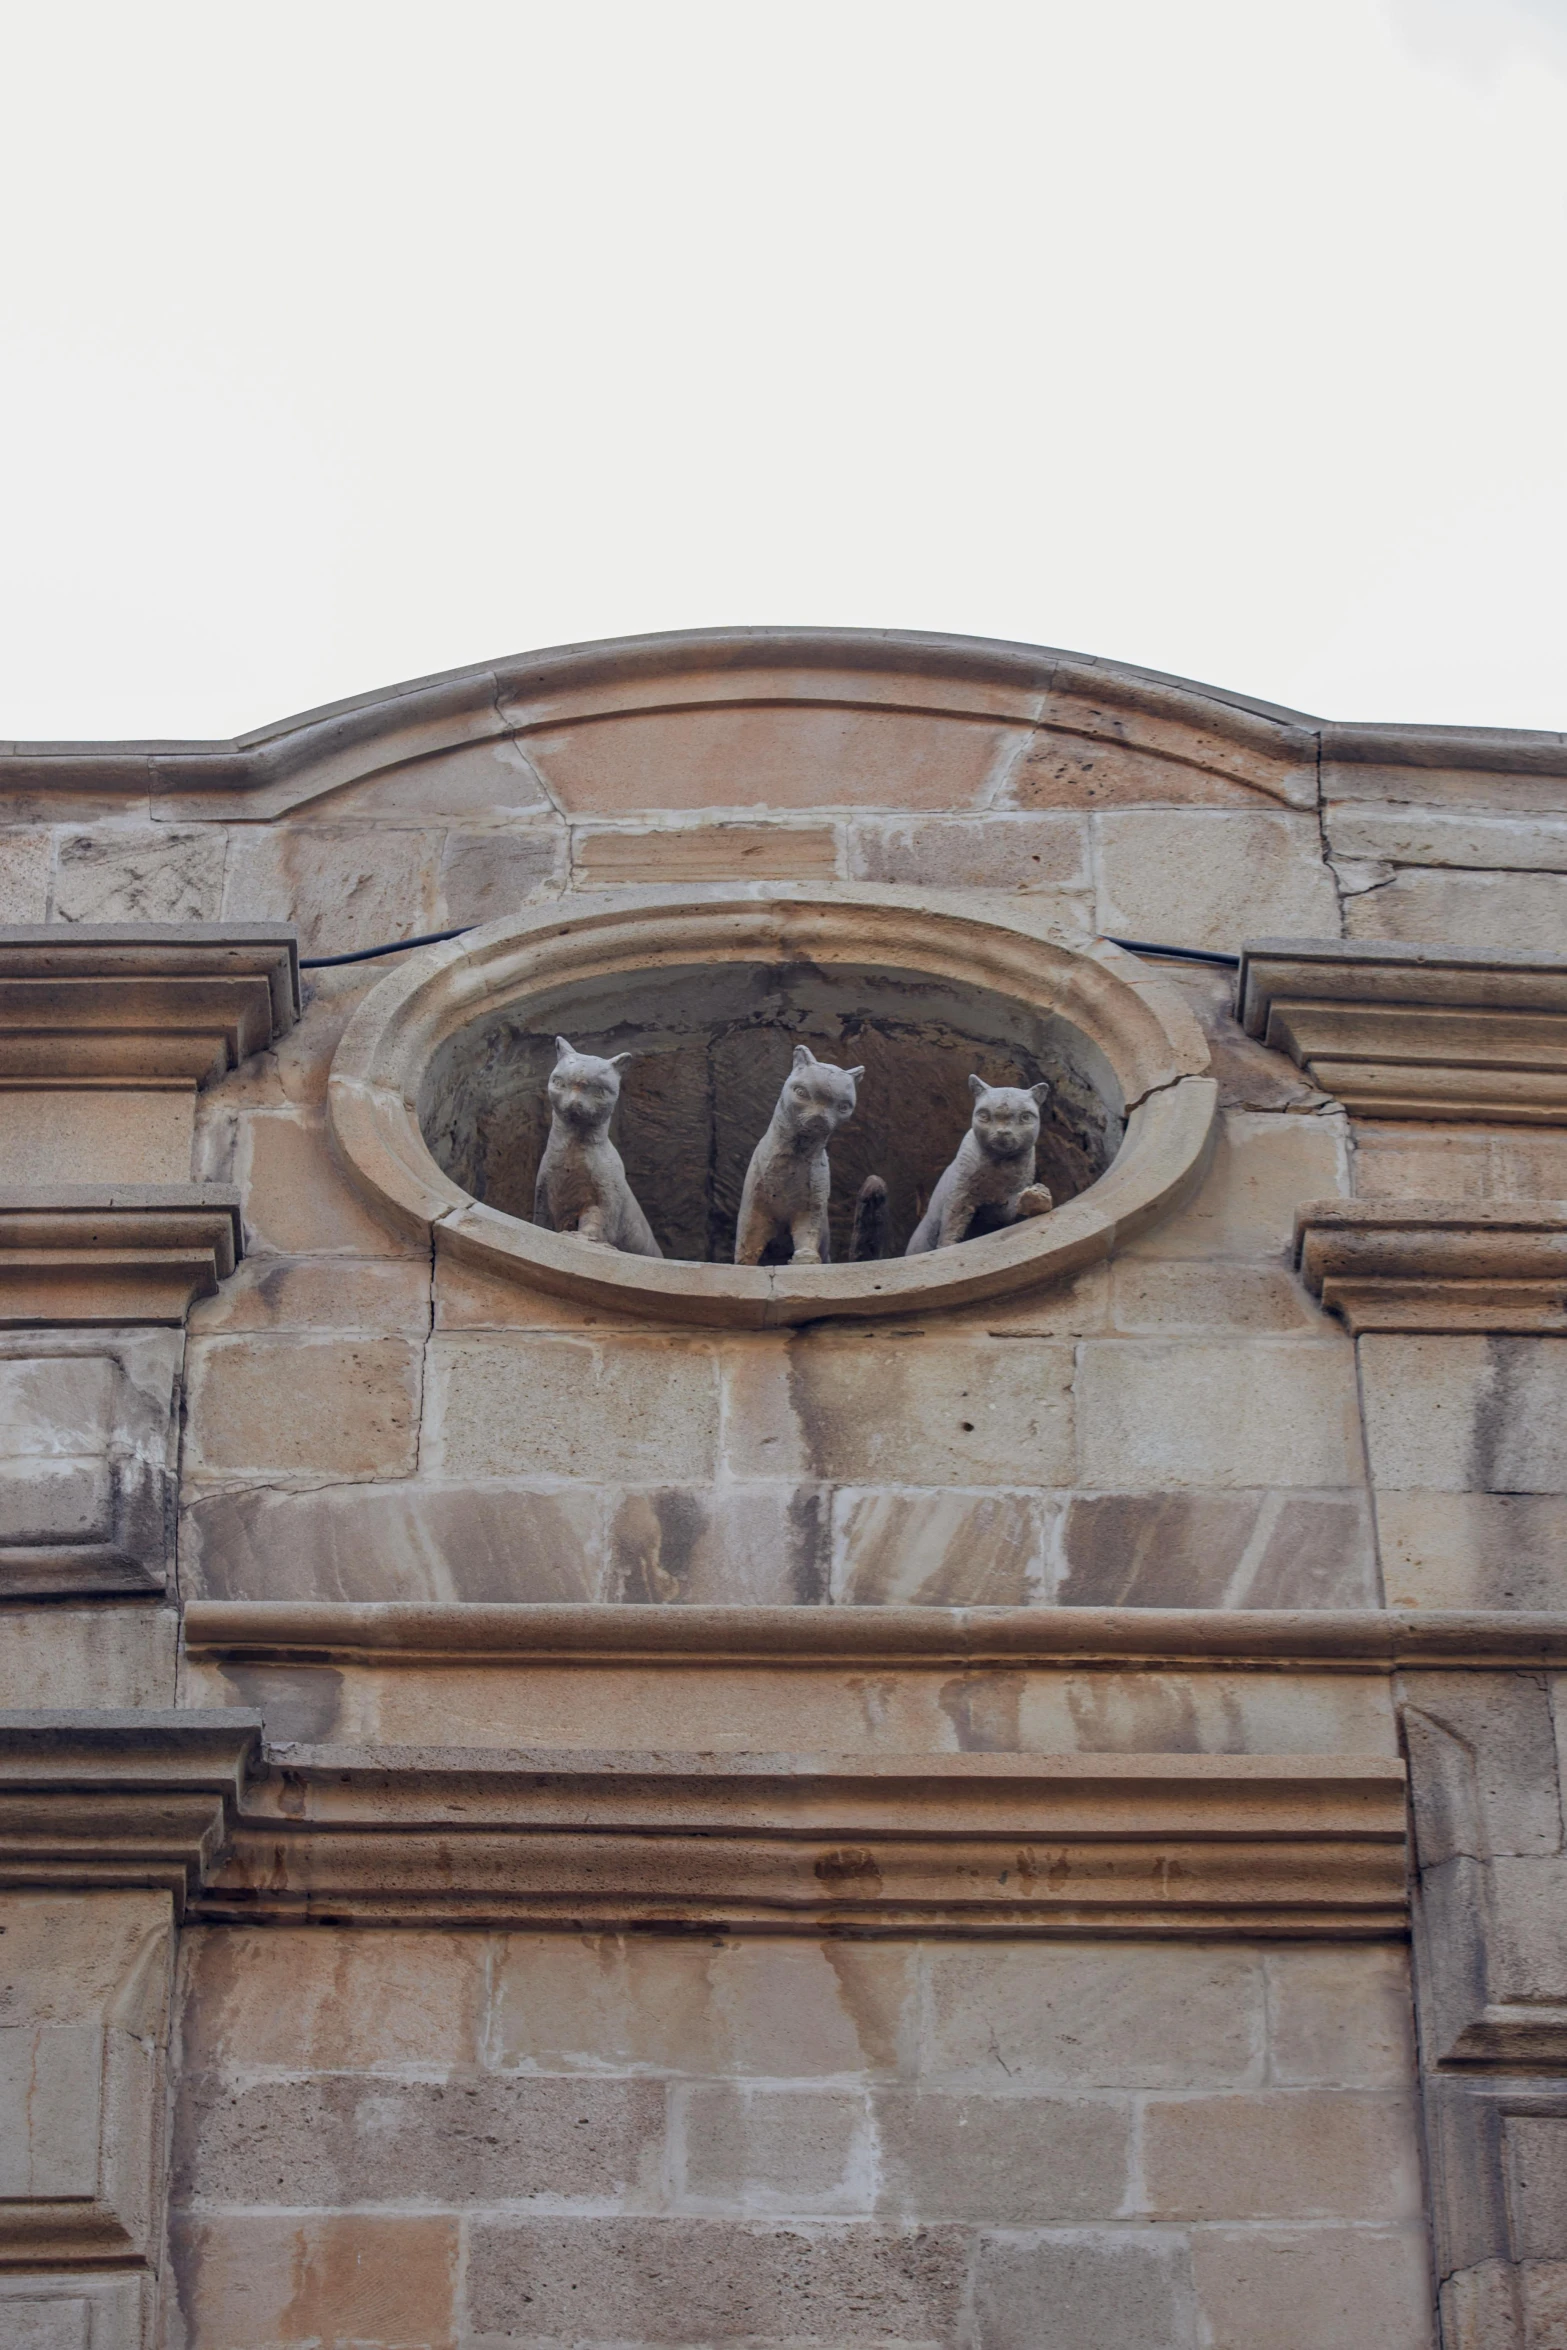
x=540 y=2138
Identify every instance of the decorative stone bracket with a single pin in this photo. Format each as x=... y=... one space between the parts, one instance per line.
x=1415 y=1032
x=134 y=1253
x=1437 y=1265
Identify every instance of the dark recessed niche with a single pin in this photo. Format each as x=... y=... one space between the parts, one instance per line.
x=711 y=1046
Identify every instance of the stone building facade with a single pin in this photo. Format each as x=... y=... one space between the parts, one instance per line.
x=1006 y=1798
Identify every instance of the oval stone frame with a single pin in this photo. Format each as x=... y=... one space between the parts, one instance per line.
x=1148 y=1043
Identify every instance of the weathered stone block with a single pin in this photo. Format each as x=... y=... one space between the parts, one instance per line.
x=24 y=876
x=294 y=1406
x=1120 y=2289
x=408 y=1541
x=766 y=1545
x=1483 y=909
x=314 y=1293
x=313 y=1999
x=778 y=2010
x=565 y=1407
x=1406 y=834
x=1340 y=2017
x=255 y=2281
x=1313 y=2289
x=995 y=851
x=1201 y=880
x=1259 y=1412
x=1473 y=1550
x=703 y=852
x=753 y=2150
x=297 y=1200
x=141 y=873
x=1263 y=1167
x=86 y=1439
x=345 y=889
x=715 y=2280
x=1459 y=1414
x=1092 y=2015
x=1158 y=1299
x=939 y=1549
x=1536 y=2147
x=472 y=2138
x=126 y=1654
x=1218 y=1550
x=108 y=1134
x=874 y=1411
x=1482 y=1765
x=483 y=875
x=1010 y=2161
x=1282 y=2154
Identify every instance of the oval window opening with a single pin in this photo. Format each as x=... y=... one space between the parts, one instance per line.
x=710 y=1046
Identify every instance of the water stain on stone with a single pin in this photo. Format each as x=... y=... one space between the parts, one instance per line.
x=303 y=1706
x=984 y=1709
x=1123 y=1713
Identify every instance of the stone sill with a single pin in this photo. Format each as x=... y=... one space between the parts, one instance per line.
x=130 y=1253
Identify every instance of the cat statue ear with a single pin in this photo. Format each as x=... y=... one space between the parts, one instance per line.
x=615 y=1059
x=977 y=1085
x=804 y=1058
x=563 y=1048
x=1041 y=1094
x=856 y=1074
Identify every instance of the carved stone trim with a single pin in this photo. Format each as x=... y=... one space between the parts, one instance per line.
x=136 y=1253
x=1450 y=1265
x=417 y=1632
x=1415 y=1032
x=132 y=1003
x=1145 y=1038
x=1200 y=1844
x=112 y=1799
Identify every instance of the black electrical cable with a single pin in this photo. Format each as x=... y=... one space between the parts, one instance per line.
x=435 y=938
x=399 y=946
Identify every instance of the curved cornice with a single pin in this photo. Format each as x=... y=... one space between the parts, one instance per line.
x=1253 y=744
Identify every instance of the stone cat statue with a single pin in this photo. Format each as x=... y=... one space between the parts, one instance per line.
x=581 y=1182
x=788 y=1182
x=991 y=1181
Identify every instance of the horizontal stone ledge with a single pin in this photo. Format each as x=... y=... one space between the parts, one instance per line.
x=1296 y=1844
x=1437 y=1265
x=1415 y=1032
x=416 y=1632
x=94 y=1799
x=142 y=1002
x=130 y=1253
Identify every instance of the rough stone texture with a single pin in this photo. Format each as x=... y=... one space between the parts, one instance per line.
x=991 y=852
x=281 y=1406
x=702 y=852
x=87 y=1450
x=124 y=1135
x=1211 y=880
x=1476 y=909
x=24 y=876
x=145 y=873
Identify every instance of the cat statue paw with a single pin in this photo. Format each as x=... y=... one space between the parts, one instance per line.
x=581 y=1184
x=788 y=1181
x=990 y=1183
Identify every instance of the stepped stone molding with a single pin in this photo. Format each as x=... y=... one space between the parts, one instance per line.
x=414 y=1632
x=143 y=1002
x=1437 y=1265
x=1152 y=1051
x=99 y=1799
x=114 y=1255
x=1297 y=1844
x=1412 y=1031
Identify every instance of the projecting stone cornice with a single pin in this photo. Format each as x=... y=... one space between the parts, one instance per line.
x=132 y=1253
x=138 y=1003
x=1438 y=1265
x=99 y=1800
x=1412 y=1031
x=1144 y=1843
x=415 y=1633
x=1141 y=718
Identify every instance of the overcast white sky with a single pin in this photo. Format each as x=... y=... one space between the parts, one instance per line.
x=349 y=340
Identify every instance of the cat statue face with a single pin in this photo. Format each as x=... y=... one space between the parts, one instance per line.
x=816 y=1098
x=583 y=1090
x=1006 y=1118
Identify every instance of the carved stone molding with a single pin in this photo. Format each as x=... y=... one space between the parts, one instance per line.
x=131 y=1253
x=417 y=1632
x=1148 y=1055
x=1437 y=1265
x=1193 y=1844
x=139 y=1002
x=120 y=1799
x=1415 y=1032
